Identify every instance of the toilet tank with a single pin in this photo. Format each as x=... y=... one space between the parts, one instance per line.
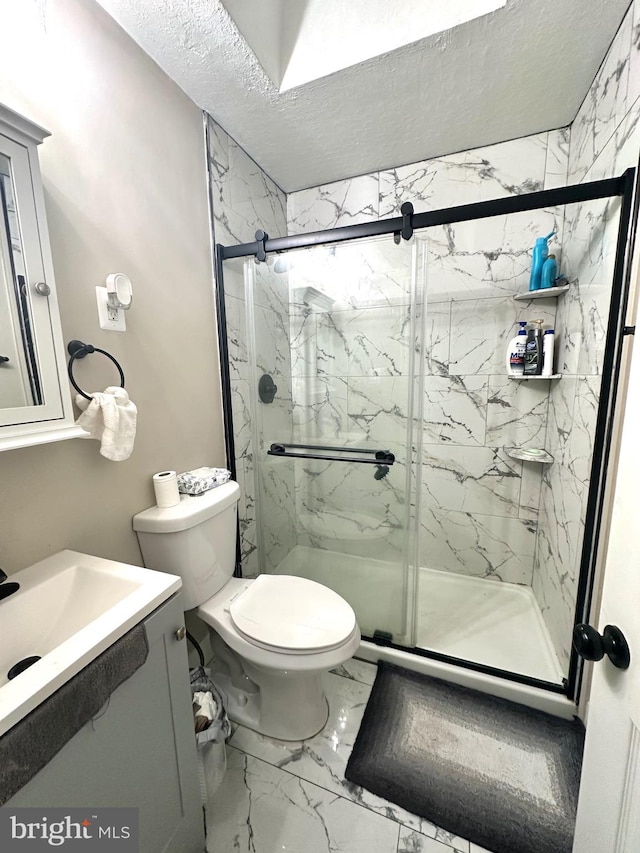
x=196 y=540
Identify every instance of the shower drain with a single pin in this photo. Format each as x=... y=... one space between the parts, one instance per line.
x=23 y=664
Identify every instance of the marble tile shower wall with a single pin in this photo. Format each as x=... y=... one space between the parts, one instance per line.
x=605 y=140
x=351 y=333
x=482 y=507
x=479 y=506
x=244 y=199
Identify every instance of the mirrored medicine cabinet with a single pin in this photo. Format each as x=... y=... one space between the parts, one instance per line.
x=35 y=403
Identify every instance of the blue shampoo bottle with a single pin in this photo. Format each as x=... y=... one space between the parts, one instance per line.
x=540 y=254
x=549 y=272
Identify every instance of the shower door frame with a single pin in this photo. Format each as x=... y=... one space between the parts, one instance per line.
x=402 y=227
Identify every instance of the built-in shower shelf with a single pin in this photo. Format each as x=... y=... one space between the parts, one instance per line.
x=529 y=454
x=530 y=378
x=543 y=293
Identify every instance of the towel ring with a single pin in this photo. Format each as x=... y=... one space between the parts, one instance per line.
x=78 y=349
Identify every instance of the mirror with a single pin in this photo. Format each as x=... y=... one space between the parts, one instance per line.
x=19 y=375
x=35 y=403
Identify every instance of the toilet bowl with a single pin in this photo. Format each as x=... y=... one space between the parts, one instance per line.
x=274 y=637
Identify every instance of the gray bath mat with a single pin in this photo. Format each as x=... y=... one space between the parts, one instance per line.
x=500 y=774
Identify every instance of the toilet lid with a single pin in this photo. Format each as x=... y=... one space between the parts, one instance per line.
x=293 y=613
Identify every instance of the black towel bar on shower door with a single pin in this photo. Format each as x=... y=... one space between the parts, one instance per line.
x=380 y=457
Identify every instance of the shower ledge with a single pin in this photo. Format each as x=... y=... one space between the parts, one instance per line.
x=529 y=378
x=529 y=454
x=542 y=293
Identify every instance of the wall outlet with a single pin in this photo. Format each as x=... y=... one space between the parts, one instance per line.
x=111 y=319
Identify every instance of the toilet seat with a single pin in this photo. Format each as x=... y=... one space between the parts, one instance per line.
x=289 y=614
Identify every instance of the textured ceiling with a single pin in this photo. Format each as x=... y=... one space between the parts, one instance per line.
x=522 y=69
x=297 y=41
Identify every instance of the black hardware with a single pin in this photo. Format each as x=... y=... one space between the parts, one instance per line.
x=603 y=437
x=573 y=194
x=382 y=638
x=261 y=239
x=266 y=388
x=4 y=358
x=628 y=330
x=591 y=645
x=515 y=677
x=78 y=349
x=23 y=664
x=7 y=589
x=384 y=456
x=225 y=376
x=381 y=472
x=407 y=224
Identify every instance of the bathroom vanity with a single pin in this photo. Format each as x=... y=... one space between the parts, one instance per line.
x=139 y=749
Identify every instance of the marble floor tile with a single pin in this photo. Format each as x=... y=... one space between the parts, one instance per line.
x=261 y=809
x=357 y=670
x=415 y=842
x=322 y=759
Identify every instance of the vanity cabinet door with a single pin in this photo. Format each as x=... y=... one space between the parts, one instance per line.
x=139 y=751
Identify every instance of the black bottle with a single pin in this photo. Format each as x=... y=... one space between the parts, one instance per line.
x=533 y=350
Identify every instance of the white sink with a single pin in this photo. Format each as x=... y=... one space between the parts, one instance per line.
x=69 y=609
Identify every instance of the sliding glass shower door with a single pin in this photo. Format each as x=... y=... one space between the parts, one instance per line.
x=334 y=333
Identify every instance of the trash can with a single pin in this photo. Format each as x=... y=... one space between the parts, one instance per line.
x=212 y=730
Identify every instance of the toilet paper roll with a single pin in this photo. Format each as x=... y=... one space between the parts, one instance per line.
x=165 y=485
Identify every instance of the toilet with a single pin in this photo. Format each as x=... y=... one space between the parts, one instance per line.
x=273 y=637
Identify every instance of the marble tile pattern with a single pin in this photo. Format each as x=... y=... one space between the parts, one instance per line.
x=333 y=205
x=605 y=140
x=557 y=565
x=471 y=411
x=244 y=199
x=349 y=359
x=605 y=104
x=352 y=361
x=293 y=796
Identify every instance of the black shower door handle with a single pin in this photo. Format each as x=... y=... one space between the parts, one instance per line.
x=591 y=645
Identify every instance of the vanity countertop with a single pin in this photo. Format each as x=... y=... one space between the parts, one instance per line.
x=70 y=608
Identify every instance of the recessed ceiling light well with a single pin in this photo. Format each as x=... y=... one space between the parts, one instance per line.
x=297 y=41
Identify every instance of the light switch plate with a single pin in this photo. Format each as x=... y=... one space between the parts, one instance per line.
x=111 y=319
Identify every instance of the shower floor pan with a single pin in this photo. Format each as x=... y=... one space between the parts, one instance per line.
x=476 y=619
x=490 y=622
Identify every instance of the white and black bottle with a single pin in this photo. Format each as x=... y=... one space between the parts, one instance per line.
x=533 y=357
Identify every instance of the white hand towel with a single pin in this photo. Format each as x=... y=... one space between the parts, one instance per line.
x=110 y=418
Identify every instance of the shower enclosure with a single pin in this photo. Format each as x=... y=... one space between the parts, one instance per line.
x=383 y=451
